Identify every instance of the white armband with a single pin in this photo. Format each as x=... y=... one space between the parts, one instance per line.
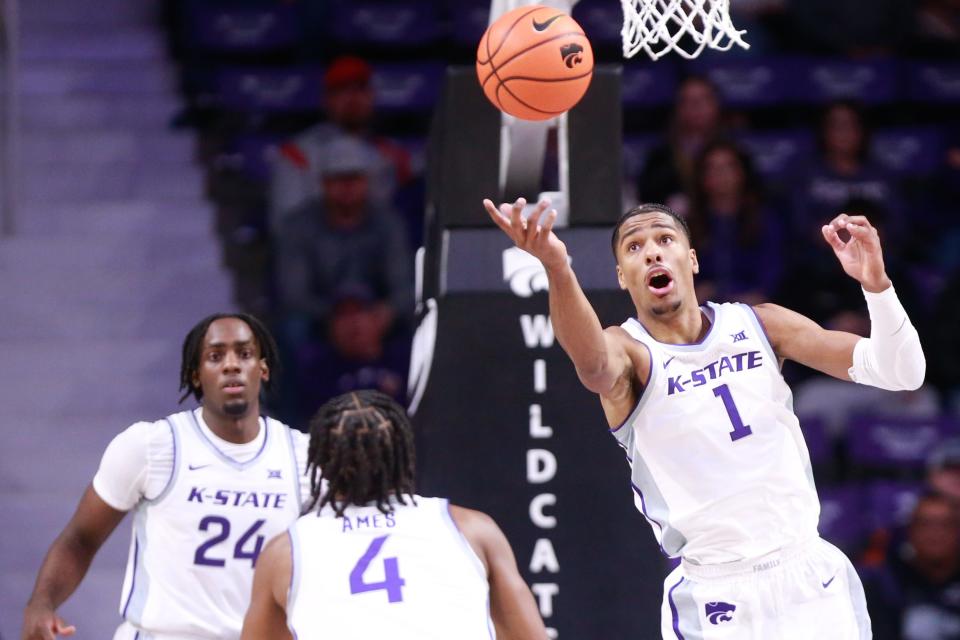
x=891 y=358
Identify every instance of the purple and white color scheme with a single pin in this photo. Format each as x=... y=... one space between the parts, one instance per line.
x=719 y=405
x=370 y=574
x=196 y=540
x=718 y=612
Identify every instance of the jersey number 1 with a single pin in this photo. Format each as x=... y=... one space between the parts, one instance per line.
x=392 y=582
x=740 y=430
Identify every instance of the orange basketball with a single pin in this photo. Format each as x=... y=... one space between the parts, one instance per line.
x=534 y=62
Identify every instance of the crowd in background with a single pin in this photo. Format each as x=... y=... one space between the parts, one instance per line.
x=320 y=199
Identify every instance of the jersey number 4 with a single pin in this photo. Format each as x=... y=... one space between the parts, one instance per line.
x=240 y=552
x=740 y=430
x=392 y=583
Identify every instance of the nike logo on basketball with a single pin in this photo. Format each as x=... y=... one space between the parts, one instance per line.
x=827 y=583
x=194 y=467
x=542 y=26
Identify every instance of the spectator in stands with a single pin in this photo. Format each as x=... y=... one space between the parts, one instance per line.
x=349 y=108
x=668 y=173
x=916 y=596
x=358 y=353
x=843 y=170
x=343 y=237
x=738 y=239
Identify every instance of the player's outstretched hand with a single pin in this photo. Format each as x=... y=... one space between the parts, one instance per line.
x=44 y=624
x=535 y=234
x=860 y=254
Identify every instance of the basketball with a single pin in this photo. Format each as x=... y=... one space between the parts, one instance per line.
x=534 y=62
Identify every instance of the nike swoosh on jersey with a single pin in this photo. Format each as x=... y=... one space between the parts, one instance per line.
x=668 y=361
x=194 y=467
x=542 y=26
x=827 y=583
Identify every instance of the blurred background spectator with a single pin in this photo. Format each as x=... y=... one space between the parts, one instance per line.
x=696 y=119
x=349 y=109
x=916 y=594
x=342 y=238
x=736 y=236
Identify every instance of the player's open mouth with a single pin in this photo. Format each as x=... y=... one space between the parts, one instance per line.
x=233 y=387
x=659 y=282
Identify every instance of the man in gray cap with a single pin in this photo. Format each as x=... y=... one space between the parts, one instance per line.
x=348 y=106
x=343 y=236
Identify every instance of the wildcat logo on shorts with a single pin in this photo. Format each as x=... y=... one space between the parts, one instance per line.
x=718 y=612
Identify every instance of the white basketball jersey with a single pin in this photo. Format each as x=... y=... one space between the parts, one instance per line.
x=409 y=575
x=190 y=568
x=719 y=465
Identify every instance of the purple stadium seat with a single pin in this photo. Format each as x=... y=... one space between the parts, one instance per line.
x=841 y=519
x=823 y=80
x=250 y=154
x=879 y=441
x=651 y=84
x=395 y=23
x=468 y=20
x=407 y=87
x=935 y=82
x=238 y=29
x=270 y=90
x=818 y=442
x=601 y=20
x=752 y=82
x=910 y=151
x=635 y=150
x=891 y=502
x=777 y=153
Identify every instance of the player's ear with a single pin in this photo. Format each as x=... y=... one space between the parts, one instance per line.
x=693 y=261
x=195 y=380
x=623 y=285
x=264 y=370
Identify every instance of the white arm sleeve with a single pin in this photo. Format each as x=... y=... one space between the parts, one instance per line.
x=891 y=358
x=137 y=464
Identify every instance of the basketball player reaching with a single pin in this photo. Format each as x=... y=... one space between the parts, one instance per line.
x=207 y=488
x=370 y=559
x=694 y=395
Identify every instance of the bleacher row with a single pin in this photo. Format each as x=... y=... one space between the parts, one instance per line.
x=886 y=460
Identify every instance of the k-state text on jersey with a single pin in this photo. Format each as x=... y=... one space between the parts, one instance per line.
x=714 y=370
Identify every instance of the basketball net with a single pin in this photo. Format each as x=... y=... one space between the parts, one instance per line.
x=659 y=26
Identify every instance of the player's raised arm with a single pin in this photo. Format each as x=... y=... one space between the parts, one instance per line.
x=600 y=357
x=65 y=565
x=891 y=358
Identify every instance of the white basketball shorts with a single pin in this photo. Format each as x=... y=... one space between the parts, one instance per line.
x=806 y=592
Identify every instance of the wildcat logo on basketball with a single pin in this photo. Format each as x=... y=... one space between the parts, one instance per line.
x=572 y=54
x=718 y=612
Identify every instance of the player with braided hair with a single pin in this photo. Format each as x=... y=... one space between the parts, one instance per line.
x=363 y=443
x=370 y=557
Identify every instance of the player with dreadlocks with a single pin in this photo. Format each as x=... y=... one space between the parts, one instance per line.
x=371 y=559
x=207 y=487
